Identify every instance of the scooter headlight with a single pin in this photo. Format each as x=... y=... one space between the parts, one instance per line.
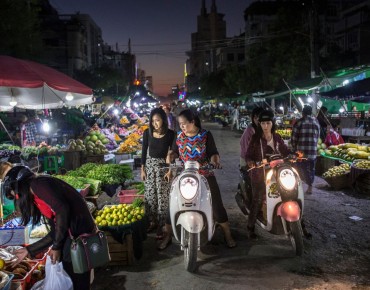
x=188 y=187
x=287 y=179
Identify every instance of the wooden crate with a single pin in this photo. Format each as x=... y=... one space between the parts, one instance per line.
x=120 y=254
x=95 y=159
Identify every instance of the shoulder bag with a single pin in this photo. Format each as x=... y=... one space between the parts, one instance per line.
x=89 y=251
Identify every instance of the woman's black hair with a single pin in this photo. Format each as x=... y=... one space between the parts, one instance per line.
x=191 y=116
x=162 y=113
x=256 y=111
x=26 y=204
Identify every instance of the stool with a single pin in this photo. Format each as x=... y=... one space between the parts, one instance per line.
x=51 y=163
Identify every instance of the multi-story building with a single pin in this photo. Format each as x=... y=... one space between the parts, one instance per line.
x=352 y=32
x=211 y=33
x=84 y=42
x=231 y=53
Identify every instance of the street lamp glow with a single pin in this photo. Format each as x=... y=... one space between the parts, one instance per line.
x=69 y=97
x=13 y=102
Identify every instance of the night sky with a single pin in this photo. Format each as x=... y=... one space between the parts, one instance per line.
x=160 y=30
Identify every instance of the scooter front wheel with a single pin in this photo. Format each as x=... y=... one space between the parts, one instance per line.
x=190 y=250
x=295 y=235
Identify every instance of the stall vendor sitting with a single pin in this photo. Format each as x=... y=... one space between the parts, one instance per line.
x=110 y=133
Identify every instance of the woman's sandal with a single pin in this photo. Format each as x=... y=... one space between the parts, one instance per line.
x=167 y=240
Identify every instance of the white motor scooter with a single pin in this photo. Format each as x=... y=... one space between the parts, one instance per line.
x=282 y=208
x=191 y=212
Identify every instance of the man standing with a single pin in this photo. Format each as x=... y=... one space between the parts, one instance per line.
x=28 y=132
x=235 y=117
x=305 y=135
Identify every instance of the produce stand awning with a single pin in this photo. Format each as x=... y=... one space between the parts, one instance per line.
x=358 y=91
x=36 y=86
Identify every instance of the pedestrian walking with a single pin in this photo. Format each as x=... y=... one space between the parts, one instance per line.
x=60 y=206
x=157 y=140
x=235 y=117
x=197 y=144
x=305 y=136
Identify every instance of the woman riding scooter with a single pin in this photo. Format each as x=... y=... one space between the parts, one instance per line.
x=197 y=144
x=264 y=141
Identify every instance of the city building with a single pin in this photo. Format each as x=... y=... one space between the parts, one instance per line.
x=211 y=33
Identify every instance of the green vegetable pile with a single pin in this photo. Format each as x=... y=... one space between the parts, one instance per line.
x=111 y=173
x=139 y=186
x=80 y=183
x=83 y=170
x=9 y=147
x=106 y=173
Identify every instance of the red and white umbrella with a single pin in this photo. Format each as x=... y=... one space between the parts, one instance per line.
x=36 y=86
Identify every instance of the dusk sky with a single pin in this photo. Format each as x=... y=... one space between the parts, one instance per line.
x=160 y=30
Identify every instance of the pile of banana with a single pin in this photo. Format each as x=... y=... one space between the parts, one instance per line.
x=337 y=171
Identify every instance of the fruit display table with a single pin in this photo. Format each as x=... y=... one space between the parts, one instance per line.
x=138 y=231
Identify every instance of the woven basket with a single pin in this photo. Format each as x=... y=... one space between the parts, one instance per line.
x=339 y=182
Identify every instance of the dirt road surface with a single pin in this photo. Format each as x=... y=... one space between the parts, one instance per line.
x=337 y=256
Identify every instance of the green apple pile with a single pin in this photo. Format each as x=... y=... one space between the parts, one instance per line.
x=117 y=215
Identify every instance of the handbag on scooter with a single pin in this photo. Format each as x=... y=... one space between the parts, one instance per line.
x=89 y=251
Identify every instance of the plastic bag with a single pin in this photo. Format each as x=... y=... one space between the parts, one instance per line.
x=56 y=278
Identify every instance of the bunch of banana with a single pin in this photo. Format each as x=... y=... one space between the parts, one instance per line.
x=337 y=171
x=285 y=134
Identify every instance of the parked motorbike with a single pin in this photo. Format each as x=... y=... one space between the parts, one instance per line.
x=282 y=208
x=191 y=212
x=244 y=123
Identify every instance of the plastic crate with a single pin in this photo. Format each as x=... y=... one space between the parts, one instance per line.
x=7 y=285
x=25 y=282
x=128 y=195
x=84 y=191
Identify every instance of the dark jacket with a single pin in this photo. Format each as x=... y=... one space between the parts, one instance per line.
x=70 y=212
x=254 y=153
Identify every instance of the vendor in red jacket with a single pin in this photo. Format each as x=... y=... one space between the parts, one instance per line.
x=45 y=198
x=333 y=137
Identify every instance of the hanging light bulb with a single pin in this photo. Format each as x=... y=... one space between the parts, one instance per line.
x=46 y=126
x=13 y=102
x=69 y=97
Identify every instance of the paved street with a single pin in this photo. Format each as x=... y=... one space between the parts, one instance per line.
x=337 y=257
